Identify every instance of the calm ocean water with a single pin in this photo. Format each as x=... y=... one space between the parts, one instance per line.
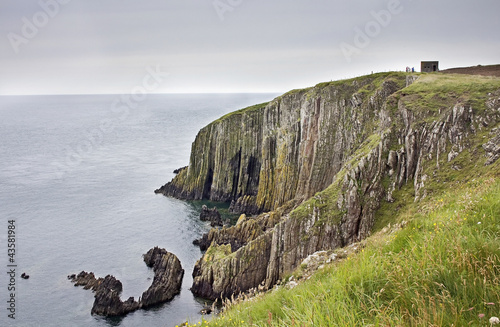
x=77 y=174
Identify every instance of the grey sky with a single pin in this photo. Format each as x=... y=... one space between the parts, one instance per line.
x=105 y=46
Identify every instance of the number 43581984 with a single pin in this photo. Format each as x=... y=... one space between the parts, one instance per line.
x=11 y=241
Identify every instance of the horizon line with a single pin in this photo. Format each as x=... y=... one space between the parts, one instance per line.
x=161 y=93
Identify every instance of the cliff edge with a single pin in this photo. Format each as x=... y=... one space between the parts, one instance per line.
x=316 y=164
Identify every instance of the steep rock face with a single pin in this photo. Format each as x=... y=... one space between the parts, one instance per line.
x=289 y=149
x=342 y=171
x=221 y=273
x=326 y=221
x=167 y=280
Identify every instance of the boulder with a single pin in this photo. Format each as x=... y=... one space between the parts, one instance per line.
x=211 y=215
x=203 y=242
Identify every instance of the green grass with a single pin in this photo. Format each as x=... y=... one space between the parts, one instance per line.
x=217 y=252
x=442 y=269
x=371 y=83
x=437 y=92
x=253 y=108
x=376 y=80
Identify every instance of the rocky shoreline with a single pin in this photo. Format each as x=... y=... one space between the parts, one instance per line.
x=167 y=281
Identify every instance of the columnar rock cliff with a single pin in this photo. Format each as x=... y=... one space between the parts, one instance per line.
x=288 y=149
x=317 y=163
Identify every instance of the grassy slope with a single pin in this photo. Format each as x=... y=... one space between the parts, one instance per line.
x=442 y=269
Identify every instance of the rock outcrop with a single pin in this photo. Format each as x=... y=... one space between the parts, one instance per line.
x=178 y=170
x=319 y=162
x=85 y=279
x=492 y=147
x=246 y=230
x=107 y=291
x=107 y=302
x=167 y=280
x=107 y=299
x=211 y=215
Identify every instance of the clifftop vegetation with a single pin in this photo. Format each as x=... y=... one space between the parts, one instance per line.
x=441 y=269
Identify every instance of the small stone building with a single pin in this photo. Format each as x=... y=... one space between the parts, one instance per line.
x=429 y=66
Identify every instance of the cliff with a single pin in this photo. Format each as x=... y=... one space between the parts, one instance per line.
x=320 y=162
x=266 y=155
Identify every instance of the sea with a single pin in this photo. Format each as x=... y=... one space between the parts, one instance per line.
x=77 y=181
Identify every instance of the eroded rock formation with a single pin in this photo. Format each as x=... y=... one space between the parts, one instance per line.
x=107 y=299
x=167 y=281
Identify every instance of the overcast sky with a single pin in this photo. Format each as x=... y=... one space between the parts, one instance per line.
x=111 y=46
